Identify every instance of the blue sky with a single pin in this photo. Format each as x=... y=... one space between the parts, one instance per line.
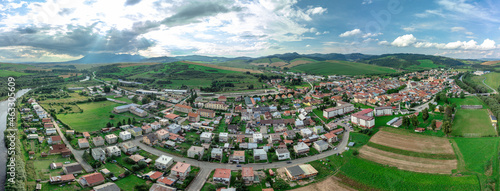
x=61 y=30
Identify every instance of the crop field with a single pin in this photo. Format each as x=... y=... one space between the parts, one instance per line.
x=472 y=123
x=223 y=67
x=342 y=68
x=492 y=79
x=414 y=143
x=477 y=152
x=489 y=63
x=7 y=73
x=366 y=175
x=95 y=115
x=410 y=163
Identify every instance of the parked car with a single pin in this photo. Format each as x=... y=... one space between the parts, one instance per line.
x=238 y=165
x=288 y=162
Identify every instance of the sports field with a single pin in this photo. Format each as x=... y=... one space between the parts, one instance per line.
x=342 y=68
x=95 y=115
x=472 y=123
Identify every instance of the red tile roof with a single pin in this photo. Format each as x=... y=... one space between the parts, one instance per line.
x=222 y=173
x=93 y=178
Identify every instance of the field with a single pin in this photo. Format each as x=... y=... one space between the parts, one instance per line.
x=94 y=117
x=130 y=181
x=341 y=68
x=415 y=153
x=415 y=143
x=489 y=63
x=7 y=73
x=223 y=67
x=366 y=175
x=492 y=79
x=472 y=123
x=331 y=183
x=42 y=167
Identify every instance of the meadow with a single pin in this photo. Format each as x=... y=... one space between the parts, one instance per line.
x=492 y=79
x=95 y=116
x=342 y=68
x=472 y=123
x=7 y=73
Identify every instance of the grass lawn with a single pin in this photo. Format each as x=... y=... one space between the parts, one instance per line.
x=472 y=123
x=492 y=79
x=366 y=175
x=43 y=170
x=130 y=181
x=114 y=168
x=94 y=117
x=342 y=68
x=471 y=100
x=477 y=152
x=56 y=187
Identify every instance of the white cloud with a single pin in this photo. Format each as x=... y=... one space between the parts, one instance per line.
x=456 y=29
x=366 y=2
x=384 y=42
x=409 y=29
x=367 y=35
x=316 y=11
x=404 y=41
x=469 y=33
x=351 y=33
x=308 y=45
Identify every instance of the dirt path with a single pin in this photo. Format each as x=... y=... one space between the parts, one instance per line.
x=331 y=183
x=416 y=143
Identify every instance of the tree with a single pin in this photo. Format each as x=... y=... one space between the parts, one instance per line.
x=142 y=164
x=141 y=187
x=134 y=99
x=129 y=121
x=432 y=106
x=414 y=121
x=441 y=109
x=136 y=167
x=462 y=95
x=406 y=122
x=447 y=113
x=446 y=127
x=425 y=114
x=280 y=184
x=111 y=116
x=433 y=125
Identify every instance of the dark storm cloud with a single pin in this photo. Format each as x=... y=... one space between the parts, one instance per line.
x=131 y=2
x=27 y=30
x=79 y=41
x=191 y=13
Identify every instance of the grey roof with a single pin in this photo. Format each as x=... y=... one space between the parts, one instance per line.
x=107 y=187
x=282 y=151
x=137 y=129
x=295 y=170
x=73 y=167
x=321 y=143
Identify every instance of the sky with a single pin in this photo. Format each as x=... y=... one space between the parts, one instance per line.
x=62 y=30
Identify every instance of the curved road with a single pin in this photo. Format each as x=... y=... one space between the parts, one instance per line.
x=494 y=91
x=207 y=167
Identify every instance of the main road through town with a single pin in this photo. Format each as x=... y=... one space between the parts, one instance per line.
x=207 y=167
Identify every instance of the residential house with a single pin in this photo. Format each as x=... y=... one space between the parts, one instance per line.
x=137 y=158
x=111 y=138
x=163 y=162
x=222 y=98
x=128 y=147
x=98 y=141
x=206 y=137
x=259 y=154
x=363 y=118
x=273 y=138
x=56 y=165
x=181 y=170
x=183 y=108
x=137 y=131
x=110 y=186
x=257 y=137
x=54 y=140
x=125 y=135
x=33 y=136
x=216 y=105
x=237 y=156
x=50 y=131
x=206 y=113
x=217 y=153
x=233 y=129
x=301 y=148
x=382 y=111
x=86 y=135
x=318 y=129
x=306 y=132
x=222 y=176
x=61 y=179
x=70 y=132
x=72 y=168
x=90 y=180
x=193 y=117
x=247 y=174
x=289 y=134
x=162 y=134
x=113 y=151
x=223 y=137
x=300 y=172
x=195 y=151
x=320 y=145
x=330 y=137
x=150 y=139
x=83 y=143
x=155 y=125
x=146 y=129
x=174 y=128
x=98 y=154
x=283 y=154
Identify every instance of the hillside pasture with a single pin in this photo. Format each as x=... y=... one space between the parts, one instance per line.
x=414 y=143
x=472 y=123
x=492 y=79
x=341 y=68
x=8 y=73
x=489 y=63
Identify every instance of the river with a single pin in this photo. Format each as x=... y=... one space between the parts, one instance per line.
x=3 y=126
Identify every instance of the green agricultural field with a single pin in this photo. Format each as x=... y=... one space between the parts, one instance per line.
x=95 y=115
x=427 y=64
x=366 y=175
x=342 y=68
x=472 y=123
x=7 y=73
x=492 y=79
x=477 y=152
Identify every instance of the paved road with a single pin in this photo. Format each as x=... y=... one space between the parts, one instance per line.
x=76 y=153
x=207 y=167
x=494 y=91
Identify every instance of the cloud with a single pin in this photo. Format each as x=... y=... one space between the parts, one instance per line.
x=368 y=35
x=409 y=29
x=384 y=42
x=308 y=45
x=132 y=2
x=351 y=33
x=456 y=29
x=404 y=41
x=366 y=2
x=316 y=11
x=195 y=11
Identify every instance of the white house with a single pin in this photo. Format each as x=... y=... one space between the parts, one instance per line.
x=383 y=111
x=181 y=170
x=128 y=147
x=206 y=137
x=111 y=138
x=223 y=137
x=163 y=162
x=259 y=154
x=320 y=145
x=98 y=154
x=301 y=148
x=195 y=150
x=283 y=154
x=125 y=135
x=216 y=153
x=113 y=151
x=155 y=125
x=50 y=131
x=306 y=132
x=257 y=137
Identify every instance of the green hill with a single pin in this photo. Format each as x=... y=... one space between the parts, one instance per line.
x=341 y=68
